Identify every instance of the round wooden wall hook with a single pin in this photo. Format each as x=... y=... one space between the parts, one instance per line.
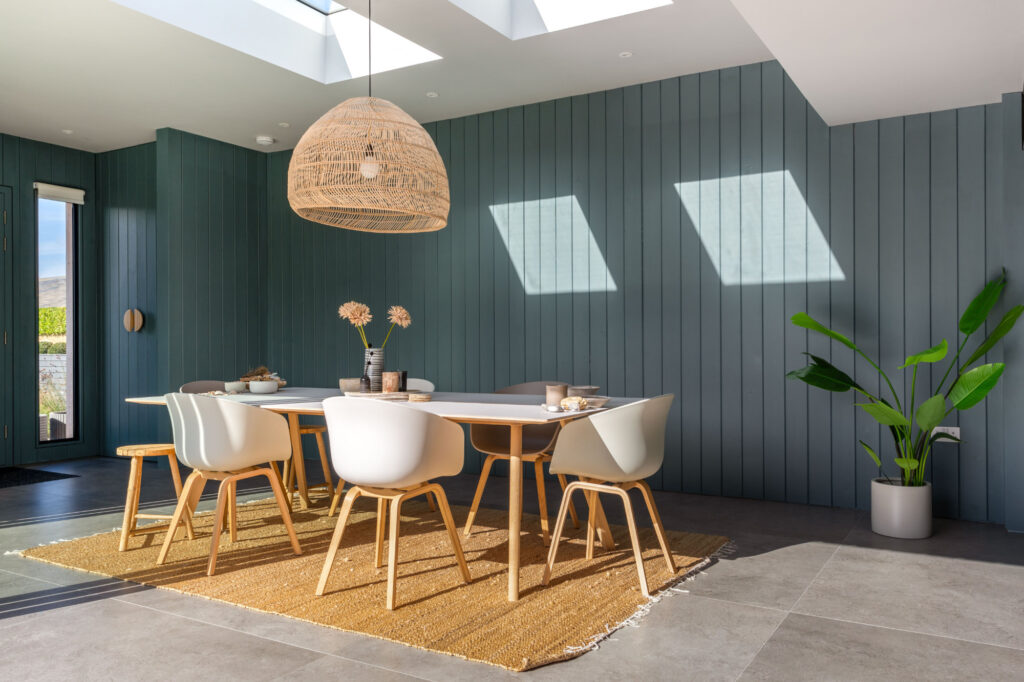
x=133 y=320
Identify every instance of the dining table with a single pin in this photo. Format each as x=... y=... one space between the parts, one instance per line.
x=509 y=410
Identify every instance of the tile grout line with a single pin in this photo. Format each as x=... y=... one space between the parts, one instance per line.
x=219 y=625
x=789 y=612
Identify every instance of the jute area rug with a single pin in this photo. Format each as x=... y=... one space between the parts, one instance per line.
x=585 y=601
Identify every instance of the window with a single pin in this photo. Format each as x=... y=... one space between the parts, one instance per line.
x=57 y=221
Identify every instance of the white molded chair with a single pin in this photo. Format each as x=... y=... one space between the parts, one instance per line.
x=224 y=441
x=391 y=452
x=613 y=452
x=420 y=385
x=495 y=442
x=202 y=386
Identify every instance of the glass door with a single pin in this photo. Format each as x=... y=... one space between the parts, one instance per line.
x=6 y=362
x=56 y=314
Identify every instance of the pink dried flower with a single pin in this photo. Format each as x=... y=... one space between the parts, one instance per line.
x=400 y=316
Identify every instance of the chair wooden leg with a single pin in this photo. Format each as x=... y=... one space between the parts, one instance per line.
x=192 y=483
x=131 y=503
x=542 y=499
x=637 y=555
x=396 y=511
x=572 y=507
x=559 y=525
x=328 y=478
x=232 y=511
x=591 y=497
x=659 y=529
x=339 y=530
x=484 y=473
x=382 y=530
x=223 y=492
x=453 y=534
x=336 y=499
x=176 y=477
x=286 y=509
x=431 y=502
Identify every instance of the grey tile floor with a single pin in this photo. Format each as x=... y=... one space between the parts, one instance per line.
x=806 y=593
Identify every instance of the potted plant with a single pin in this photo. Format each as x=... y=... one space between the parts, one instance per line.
x=901 y=507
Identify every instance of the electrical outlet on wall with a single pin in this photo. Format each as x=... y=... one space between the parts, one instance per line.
x=951 y=430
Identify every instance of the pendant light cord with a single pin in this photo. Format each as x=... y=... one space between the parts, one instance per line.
x=369 y=51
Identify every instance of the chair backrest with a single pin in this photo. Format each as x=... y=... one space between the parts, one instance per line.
x=390 y=445
x=204 y=386
x=622 y=444
x=212 y=434
x=488 y=438
x=531 y=387
x=420 y=385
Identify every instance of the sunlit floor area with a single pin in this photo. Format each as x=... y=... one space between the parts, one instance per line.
x=800 y=592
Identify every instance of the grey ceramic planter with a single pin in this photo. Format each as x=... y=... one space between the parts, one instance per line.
x=901 y=511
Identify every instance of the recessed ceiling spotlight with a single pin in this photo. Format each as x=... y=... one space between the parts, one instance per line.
x=282 y=124
x=432 y=95
x=625 y=54
x=265 y=140
x=68 y=132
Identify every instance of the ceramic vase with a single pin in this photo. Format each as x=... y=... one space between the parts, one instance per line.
x=373 y=361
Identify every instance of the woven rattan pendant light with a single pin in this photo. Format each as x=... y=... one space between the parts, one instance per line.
x=367 y=165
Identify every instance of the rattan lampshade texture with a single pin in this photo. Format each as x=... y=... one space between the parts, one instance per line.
x=367 y=165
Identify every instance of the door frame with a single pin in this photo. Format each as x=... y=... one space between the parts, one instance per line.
x=6 y=340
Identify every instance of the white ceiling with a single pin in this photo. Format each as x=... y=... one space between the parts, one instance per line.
x=857 y=60
x=113 y=75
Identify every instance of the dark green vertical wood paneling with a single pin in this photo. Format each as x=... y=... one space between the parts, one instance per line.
x=865 y=286
x=794 y=193
x=751 y=358
x=819 y=406
x=710 y=288
x=691 y=260
x=23 y=162
x=944 y=287
x=731 y=314
x=671 y=303
x=972 y=468
x=758 y=163
x=773 y=260
x=996 y=256
x=844 y=442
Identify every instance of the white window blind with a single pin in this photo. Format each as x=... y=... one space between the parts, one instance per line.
x=58 y=193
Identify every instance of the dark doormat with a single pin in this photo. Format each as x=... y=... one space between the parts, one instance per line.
x=12 y=476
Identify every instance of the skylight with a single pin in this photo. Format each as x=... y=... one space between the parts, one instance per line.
x=318 y=39
x=518 y=19
x=323 y=6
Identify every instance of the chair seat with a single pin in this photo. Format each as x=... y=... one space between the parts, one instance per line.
x=151 y=450
x=306 y=429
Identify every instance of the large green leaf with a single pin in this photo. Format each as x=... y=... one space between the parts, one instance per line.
x=982 y=305
x=972 y=387
x=822 y=374
x=906 y=464
x=871 y=452
x=933 y=354
x=884 y=414
x=1001 y=330
x=931 y=412
x=807 y=322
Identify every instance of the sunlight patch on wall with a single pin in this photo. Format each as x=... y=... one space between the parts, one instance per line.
x=564 y=258
x=758 y=245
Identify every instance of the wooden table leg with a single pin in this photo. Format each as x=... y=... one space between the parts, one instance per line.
x=604 y=531
x=297 y=462
x=515 y=508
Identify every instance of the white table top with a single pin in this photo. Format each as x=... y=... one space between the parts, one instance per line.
x=502 y=408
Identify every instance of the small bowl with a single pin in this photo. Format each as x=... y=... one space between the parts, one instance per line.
x=262 y=387
x=585 y=391
x=594 y=401
x=348 y=385
x=235 y=386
